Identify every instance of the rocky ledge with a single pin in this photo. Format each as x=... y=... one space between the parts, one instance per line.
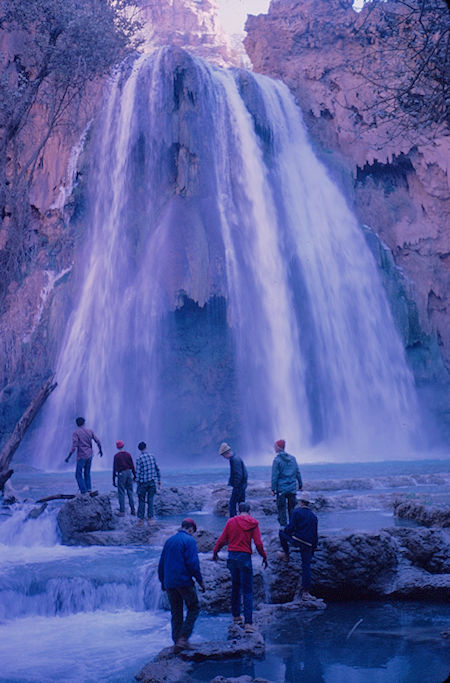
x=396 y=562
x=170 y=667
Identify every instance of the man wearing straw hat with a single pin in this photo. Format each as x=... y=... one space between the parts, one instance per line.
x=238 y=477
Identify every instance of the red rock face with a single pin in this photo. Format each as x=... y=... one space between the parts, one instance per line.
x=400 y=184
x=190 y=24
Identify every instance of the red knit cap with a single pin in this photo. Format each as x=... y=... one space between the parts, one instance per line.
x=119 y=444
x=281 y=443
x=191 y=522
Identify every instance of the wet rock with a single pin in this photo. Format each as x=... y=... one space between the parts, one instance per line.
x=170 y=667
x=84 y=514
x=424 y=548
x=415 y=584
x=422 y=514
x=176 y=500
x=244 y=645
x=37 y=512
x=205 y=540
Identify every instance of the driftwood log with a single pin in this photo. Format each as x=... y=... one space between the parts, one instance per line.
x=64 y=496
x=7 y=452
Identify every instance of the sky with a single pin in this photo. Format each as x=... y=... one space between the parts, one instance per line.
x=233 y=13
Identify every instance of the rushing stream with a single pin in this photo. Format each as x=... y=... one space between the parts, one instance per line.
x=89 y=614
x=223 y=287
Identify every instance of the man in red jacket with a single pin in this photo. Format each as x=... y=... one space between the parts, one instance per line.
x=238 y=534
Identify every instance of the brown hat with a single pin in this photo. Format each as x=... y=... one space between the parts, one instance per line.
x=224 y=448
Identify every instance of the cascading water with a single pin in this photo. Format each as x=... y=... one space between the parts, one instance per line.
x=225 y=289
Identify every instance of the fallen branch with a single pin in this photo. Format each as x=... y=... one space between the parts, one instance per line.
x=64 y=496
x=7 y=453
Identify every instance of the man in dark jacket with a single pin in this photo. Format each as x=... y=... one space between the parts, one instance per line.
x=82 y=439
x=238 y=477
x=285 y=478
x=178 y=565
x=238 y=535
x=301 y=533
x=124 y=470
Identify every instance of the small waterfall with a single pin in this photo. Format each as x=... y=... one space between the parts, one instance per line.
x=55 y=580
x=224 y=288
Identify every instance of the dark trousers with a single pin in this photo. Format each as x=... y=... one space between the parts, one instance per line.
x=306 y=553
x=83 y=474
x=283 y=499
x=240 y=566
x=146 y=492
x=178 y=597
x=125 y=485
x=237 y=496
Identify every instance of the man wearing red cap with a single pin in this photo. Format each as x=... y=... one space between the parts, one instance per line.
x=123 y=469
x=285 y=477
x=178 y=566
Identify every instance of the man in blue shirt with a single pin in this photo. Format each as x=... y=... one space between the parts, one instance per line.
x=301 y=533
x=286 y=478
x=178 y=566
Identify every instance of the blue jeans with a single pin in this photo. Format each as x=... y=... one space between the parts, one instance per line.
x=125 y=483
x=83 y=474
x=146 y=492
x=237 y=496
x=240 y=566
x=306 y=553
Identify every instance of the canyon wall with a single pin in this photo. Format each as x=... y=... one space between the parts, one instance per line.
x=396 y=180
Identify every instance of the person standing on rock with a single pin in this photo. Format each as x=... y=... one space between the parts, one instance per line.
x=82 y=443
x=285 y=478
x=123 y=469
x=178 y=566
x=238 y=534
x=238 y=477
x=301 y=533
x=148 y=477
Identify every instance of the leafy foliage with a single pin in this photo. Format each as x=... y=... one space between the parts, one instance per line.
x=53 y=50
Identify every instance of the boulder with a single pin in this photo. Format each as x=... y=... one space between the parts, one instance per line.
x=422 y=514
x=176 y=500
x=84 y=514
x=168 y=667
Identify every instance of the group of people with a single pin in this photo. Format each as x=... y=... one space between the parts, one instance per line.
x=146 y=472
x=179 y=564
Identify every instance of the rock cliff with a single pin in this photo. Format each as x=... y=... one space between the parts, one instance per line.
x=398 y=183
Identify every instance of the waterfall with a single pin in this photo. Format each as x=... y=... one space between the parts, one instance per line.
x=224 y=289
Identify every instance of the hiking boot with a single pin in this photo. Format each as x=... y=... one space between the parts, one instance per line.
x=283 y=556
x=307 y=596
x=249 y=628
x=140 y=522
x=181 y=644
x=239 y=621
x=133 y=512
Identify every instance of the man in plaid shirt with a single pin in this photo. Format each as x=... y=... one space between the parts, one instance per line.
x=147 y=477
